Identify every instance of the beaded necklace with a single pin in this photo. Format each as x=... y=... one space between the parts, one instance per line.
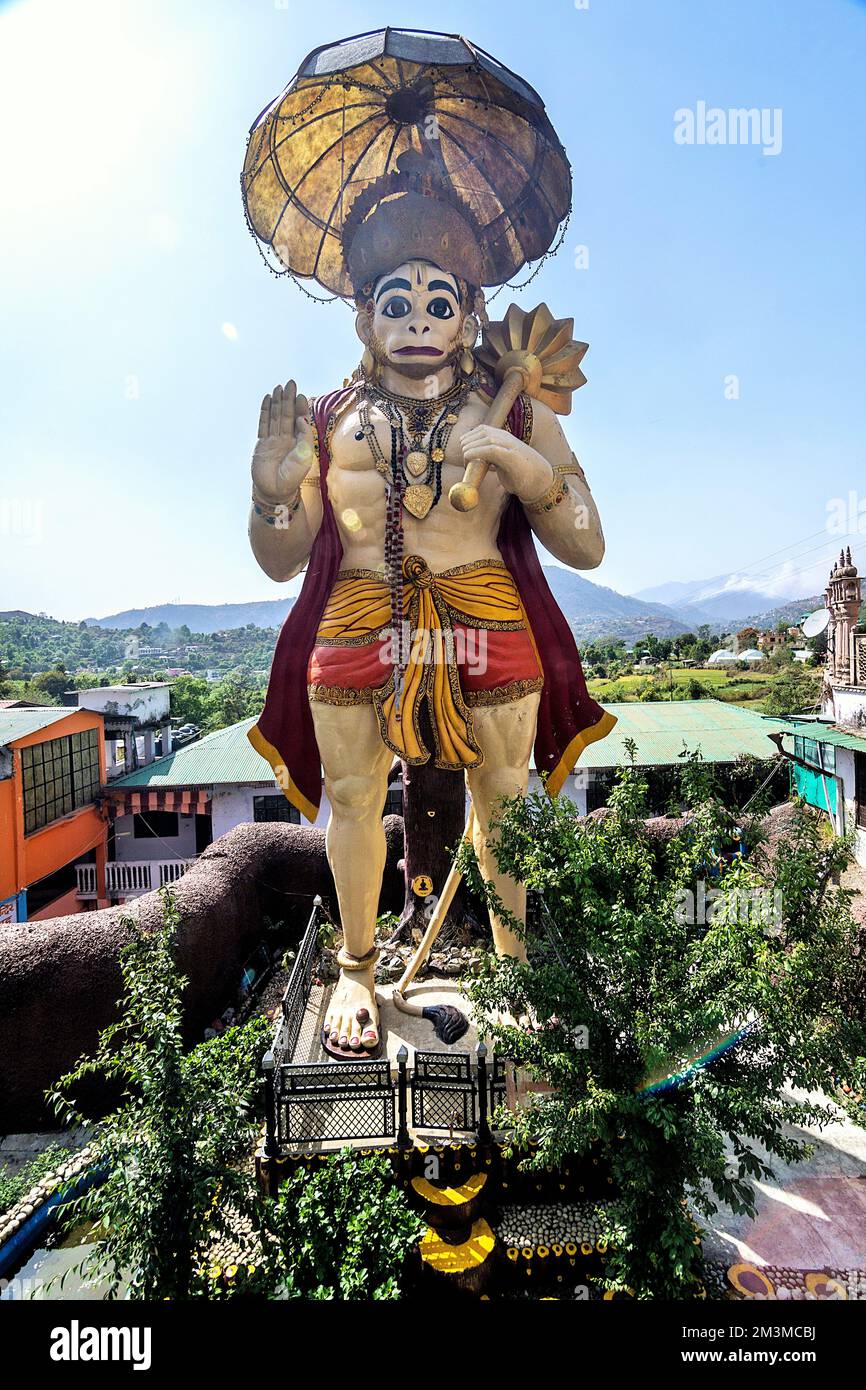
x=413 y=479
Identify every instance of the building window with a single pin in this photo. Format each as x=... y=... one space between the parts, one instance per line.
x=59 y=776
x=820 y=755
x=860 y=787
x=267 y=808
x=156 y=825
x=394 y=801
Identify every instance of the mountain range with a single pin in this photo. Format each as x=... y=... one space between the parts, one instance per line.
x=727 y=599
x=593 y=610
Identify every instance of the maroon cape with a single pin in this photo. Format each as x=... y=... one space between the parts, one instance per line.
x=568 y=717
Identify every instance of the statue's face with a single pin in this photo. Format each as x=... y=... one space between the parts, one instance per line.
x=418 y=324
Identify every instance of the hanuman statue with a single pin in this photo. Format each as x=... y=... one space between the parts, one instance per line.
x=421 y=631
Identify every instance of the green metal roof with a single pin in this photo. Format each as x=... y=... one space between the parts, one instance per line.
x=224 y=757
x=661 y=729
x=18 y=723
x=824 y=733
x=722 y=732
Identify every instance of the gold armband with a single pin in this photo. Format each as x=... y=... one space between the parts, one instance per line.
x=556 y=493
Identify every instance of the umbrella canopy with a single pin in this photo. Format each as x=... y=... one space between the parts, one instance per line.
x=356 y=106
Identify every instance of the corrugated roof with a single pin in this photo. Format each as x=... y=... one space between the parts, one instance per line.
x=18 y=723
x=722 y=732
x=824 y=733
x=224 y=757
x=661 y=729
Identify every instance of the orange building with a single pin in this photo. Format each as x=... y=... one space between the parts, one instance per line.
x=52 y=768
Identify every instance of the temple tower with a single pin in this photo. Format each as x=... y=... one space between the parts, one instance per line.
x=843 y=598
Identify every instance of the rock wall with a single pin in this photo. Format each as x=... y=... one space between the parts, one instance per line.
x=60 y=979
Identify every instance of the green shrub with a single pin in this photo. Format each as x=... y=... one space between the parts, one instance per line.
x=616 y=955
x=343 y=1231
x=171 y=1149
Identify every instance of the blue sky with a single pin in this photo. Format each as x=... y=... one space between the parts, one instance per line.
x=128 y=409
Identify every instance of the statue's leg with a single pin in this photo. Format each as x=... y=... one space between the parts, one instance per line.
x=505 y=735
x=356 y=764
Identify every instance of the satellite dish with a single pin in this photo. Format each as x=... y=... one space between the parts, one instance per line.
x=816 y=622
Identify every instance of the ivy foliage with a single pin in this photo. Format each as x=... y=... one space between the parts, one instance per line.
x=343 y=1231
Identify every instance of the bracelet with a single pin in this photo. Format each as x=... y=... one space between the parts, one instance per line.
x=555 y=494
x=346 y=961
x=277 y=513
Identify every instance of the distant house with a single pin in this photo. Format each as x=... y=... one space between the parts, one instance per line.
x=164 y=814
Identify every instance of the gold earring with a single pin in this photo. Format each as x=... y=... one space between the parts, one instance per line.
x=368 y=364
x=467 y=362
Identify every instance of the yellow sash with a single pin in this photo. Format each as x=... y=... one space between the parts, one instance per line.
x=481 y=594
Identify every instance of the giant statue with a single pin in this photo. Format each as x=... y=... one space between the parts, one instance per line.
x=413 y=496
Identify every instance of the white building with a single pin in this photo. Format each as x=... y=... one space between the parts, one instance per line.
x=133 y=715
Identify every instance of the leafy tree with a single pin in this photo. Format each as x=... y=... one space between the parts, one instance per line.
x=190 y=700
x=623 y=952
x=796 y=691
x=53 y=682
x=171 y=1149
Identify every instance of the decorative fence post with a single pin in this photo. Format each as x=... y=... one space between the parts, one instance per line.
x=483 y=1126
x=403 y=1141
x=269 y=1068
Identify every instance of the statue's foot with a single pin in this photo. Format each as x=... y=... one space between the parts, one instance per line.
x=352 y=1020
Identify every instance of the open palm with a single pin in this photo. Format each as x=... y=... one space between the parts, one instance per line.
x=284 y=451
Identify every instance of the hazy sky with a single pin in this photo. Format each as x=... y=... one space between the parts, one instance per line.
x=140 y=327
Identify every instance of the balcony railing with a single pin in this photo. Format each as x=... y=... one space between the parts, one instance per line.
x=131 y=878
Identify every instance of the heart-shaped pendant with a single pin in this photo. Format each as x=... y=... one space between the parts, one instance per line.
x=417 y=462
x=418 y=499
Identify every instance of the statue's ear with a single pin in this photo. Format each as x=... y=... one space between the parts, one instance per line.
x=470 y=330
x=362 y=326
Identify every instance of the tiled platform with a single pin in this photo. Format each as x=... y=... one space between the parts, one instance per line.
x=812 y=1215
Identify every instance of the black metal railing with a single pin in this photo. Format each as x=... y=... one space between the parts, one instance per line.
x=322 y=1101
x=291 y=1016
x=444 y=1091
x=343 y=1102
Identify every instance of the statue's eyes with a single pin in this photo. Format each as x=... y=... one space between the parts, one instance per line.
x=397 y=308
x=440 y=308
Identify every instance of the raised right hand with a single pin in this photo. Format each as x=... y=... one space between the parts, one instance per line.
x=284 y=449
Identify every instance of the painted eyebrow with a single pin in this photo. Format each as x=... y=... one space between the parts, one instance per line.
x=392 y=285
x=442 y=285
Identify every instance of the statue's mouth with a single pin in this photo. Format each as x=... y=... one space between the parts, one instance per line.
x=418 y=352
